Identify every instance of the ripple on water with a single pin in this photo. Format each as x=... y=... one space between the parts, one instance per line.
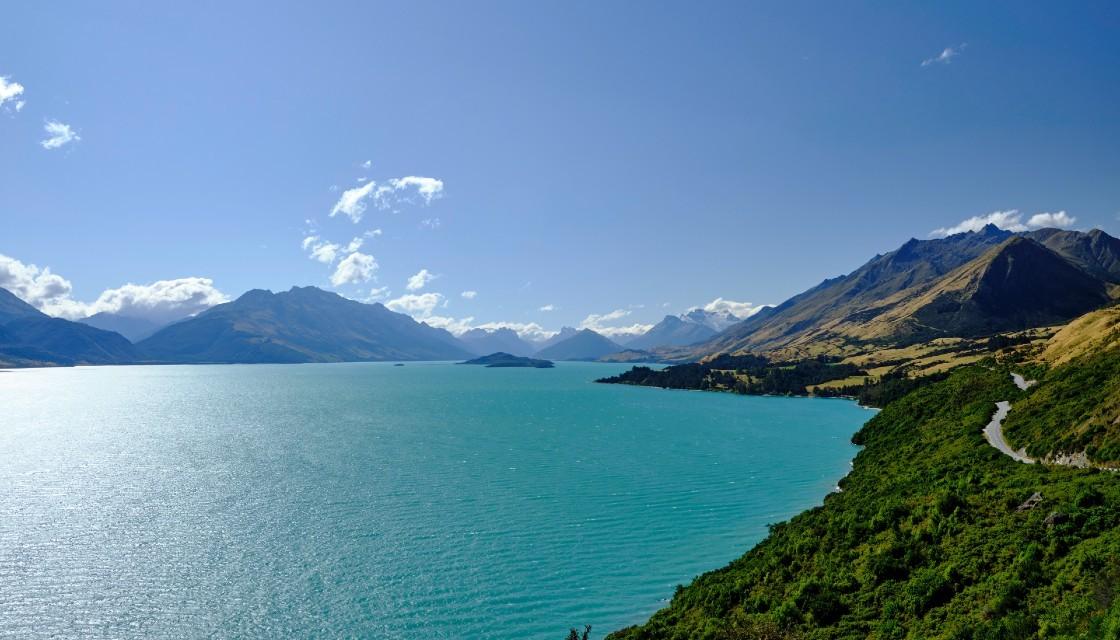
x=365 y=500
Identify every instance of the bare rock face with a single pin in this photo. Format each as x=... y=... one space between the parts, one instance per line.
x=1031 y=502
x=1055 y=517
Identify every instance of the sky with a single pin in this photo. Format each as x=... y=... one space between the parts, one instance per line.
x=540 y=164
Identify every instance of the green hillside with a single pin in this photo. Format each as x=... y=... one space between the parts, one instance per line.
x=925 y=540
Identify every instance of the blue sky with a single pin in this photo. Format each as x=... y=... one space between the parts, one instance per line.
x=620 y=160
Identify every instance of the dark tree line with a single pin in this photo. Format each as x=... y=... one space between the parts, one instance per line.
x=748 y=374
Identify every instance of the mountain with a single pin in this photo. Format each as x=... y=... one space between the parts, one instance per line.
x=483 y=341
x=1017 y=285
x=131 y=327
x=304 y=324
x=716 y=320
x=583 y=345
x=673 y=331
x=563 y=334
x=870 y=303
x=1095 y=252
x=29 y=337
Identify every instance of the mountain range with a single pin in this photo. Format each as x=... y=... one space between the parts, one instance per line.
x=304 y=324
x=965 y=285
x=505 y=340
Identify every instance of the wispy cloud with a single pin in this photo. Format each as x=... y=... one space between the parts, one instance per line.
x=394 y=191
x=58 y=134
x=378 y=293
x=469 y=295
x=10 y=92
x=548 y=307
x=352 y=202
x=355 y=268
x=420 y=280
x=367 y=164
x=946 y=56
x=431 y=223
x=1009 y=220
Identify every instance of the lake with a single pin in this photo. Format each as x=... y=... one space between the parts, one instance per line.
x=366 y=500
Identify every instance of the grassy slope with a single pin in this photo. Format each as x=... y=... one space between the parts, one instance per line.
x=1077 y=408
x=924 y=542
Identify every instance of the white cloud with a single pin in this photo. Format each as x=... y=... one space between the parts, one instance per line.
x=427 y=188
x=420 y=280
x=431 y=223
x=38 y=287
x=160 y=301
x=416 y=304
x=352 y=202
x=354 y=268
x=367 y=164
x=58 y=134
x=740 y=310
x=372 y=233
x=457 y=326
x=378 y=293
x=597 y=323
x=1010 y=220
x=946 y=56
x=469 y=295
x=10 y=91
x=548 y=307
x=1060 y=220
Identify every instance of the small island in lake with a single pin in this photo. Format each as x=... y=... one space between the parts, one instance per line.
x=502 y=359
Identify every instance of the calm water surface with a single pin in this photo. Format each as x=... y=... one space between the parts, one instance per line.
x=366 y=500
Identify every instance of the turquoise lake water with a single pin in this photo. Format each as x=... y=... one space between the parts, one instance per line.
x=367 y=500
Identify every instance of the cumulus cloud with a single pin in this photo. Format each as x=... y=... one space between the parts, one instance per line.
x=1059 y=220
x=1010 y=220
x=469 y=295
x=413 y=304
x=946 y=56
x=740 y=310
x=598 y=323
x=353 y=269
x=548 y=307
x=58 y=134
x=10 y=92
x=321 y=250
x=420 y=280
x=161 y=301
x=367 y=164
x=38 y=287
x=352 y=202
